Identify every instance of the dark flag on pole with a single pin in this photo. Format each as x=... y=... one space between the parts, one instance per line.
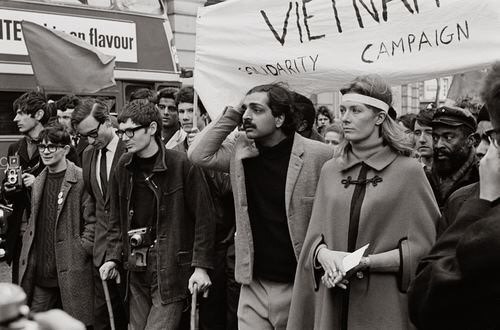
x=64 y=63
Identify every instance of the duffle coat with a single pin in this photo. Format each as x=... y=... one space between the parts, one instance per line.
x=74 y=235
x=398 y=211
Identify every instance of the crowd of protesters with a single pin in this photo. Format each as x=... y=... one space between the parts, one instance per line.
x=257 y=209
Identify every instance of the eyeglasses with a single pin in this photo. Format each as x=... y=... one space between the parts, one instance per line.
x=50 y=147
x=92 y=134
x=129 y=132
x=493 y=135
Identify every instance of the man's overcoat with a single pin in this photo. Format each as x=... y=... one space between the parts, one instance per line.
x=74 y=235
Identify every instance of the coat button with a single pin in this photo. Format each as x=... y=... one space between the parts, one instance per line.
x=31 y=233
x=24 y=262
x=360 y=275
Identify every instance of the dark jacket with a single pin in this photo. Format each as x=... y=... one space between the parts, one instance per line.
x=454 y=204
x=73 y=247
x=457 y=285
x=466 y=175
x=101 y=203
x=184 y=232
x=20 y=200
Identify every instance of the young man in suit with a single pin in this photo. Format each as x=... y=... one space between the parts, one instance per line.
x=91 y=120
x=274 y=172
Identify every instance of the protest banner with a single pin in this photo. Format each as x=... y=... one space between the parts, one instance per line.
x=320 y=45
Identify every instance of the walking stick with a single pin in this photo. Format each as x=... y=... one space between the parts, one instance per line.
x=194 y=310
x=108 y=304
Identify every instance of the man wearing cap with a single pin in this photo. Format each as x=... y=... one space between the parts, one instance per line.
x=455 y=164
x=458 y=284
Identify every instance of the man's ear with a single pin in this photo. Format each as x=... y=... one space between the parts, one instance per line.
x=472 y=141
x=153 y=127
x=66 y=148
x=39 y=114
x=279 y=121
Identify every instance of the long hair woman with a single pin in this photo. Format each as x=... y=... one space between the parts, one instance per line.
x=372 y=193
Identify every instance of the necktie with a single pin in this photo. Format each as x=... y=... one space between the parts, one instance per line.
x=103 y=172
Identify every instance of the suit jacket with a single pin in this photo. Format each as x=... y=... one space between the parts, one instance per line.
x=212 y=150
x=101 y=203
x=76 y=152
x=73 y=247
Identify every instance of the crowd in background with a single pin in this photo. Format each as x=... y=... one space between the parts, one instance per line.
x=257 y=209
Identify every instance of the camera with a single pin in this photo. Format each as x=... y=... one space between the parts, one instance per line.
x=14 y=175
x=140 y=241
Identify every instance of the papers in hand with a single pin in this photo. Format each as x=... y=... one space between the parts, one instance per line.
x=352 y=260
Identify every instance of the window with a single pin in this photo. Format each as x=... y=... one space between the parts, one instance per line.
x=90 y=3
x=142 y=6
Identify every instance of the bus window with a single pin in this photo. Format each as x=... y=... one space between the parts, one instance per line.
x=142 y=6
x=7 y=125
x=91 y=3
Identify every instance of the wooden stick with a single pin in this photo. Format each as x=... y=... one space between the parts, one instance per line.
x=108 y=304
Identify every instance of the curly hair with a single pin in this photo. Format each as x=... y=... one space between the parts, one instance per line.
x=32 y=101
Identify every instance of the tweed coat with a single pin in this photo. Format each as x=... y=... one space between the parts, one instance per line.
x=212 y=150
x=74 y=236
x=398 y=211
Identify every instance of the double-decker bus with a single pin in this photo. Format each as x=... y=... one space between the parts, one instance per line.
x=137 y=32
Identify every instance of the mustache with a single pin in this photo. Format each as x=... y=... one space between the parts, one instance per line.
x=248 y=124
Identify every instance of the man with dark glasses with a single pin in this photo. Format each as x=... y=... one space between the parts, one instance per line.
x=91 y=120
x=160 y=227
x=458 y=283
x=56 y=268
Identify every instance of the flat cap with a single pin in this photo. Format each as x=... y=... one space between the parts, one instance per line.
x=453 y=116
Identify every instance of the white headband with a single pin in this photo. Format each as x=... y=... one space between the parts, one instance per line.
x=368 y=100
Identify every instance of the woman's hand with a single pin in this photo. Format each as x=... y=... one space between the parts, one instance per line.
x=332 y=263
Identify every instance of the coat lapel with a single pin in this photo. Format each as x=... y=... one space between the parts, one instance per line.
x=70 y=178
x=37 y=192
x=294 y=167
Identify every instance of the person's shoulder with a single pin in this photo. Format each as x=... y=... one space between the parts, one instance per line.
x=14 y=146
x=124 y=159
x=315 y=147
x=471 y=190
x=408 y=164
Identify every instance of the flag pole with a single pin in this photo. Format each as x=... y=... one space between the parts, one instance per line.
x=195 y=110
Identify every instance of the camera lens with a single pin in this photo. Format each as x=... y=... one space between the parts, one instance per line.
x=135 y=240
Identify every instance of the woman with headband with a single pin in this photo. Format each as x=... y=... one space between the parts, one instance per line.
x=372 y=193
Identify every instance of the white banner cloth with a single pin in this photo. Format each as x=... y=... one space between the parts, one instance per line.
x=320 y=45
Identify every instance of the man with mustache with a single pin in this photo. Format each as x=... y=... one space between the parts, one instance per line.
x=455 y=164
x=422 y=131
x=274 y=172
